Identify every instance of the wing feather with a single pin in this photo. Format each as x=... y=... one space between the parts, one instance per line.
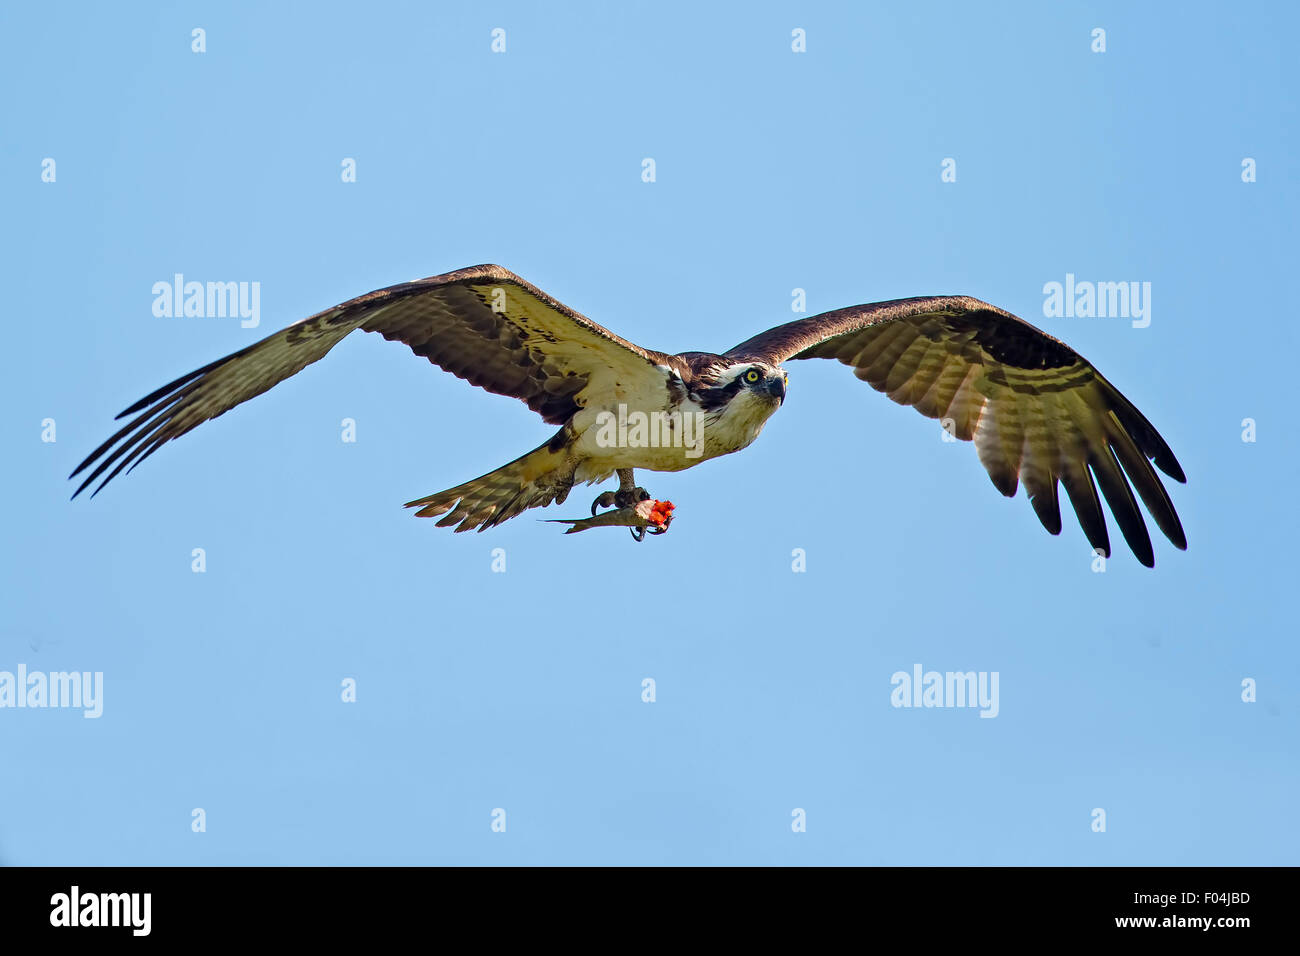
x=1082 y=492
x=483 y=324
x=1038 y=412
x=1038 y=468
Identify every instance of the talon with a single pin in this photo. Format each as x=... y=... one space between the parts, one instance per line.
x=627 y=497
x=605 y=500
x=638 y=534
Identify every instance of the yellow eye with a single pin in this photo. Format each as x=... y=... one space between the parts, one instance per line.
x=752 y=376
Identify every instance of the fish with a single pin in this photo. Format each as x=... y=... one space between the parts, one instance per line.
x=649 y=515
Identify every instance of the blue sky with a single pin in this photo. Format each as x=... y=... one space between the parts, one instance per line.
x=522 y=690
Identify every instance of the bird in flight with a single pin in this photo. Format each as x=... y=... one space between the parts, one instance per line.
x=1038 y=413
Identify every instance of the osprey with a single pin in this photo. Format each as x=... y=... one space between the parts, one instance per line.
x=1037 y=412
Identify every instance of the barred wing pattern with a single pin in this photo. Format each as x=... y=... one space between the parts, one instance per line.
x=483 y=324
x=1037 y=411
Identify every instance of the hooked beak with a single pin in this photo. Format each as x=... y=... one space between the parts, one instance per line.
x=776 y=388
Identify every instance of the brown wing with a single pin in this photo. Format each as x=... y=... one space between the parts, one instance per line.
x=1037 y=411
x=483 y=324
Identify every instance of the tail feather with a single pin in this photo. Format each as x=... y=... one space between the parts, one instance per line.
x=531 y=481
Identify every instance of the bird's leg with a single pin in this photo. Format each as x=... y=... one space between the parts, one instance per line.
x=626 y=496
x=628 y=493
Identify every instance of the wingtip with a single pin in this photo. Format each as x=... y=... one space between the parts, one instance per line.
x=1171 y=468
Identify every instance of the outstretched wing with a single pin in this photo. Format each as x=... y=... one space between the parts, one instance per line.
x=1037 y=411
x=483 y=324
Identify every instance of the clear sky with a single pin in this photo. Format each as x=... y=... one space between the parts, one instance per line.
x=774 y=171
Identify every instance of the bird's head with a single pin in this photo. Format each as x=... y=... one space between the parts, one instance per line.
x=741 y=396
x=758 y=382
